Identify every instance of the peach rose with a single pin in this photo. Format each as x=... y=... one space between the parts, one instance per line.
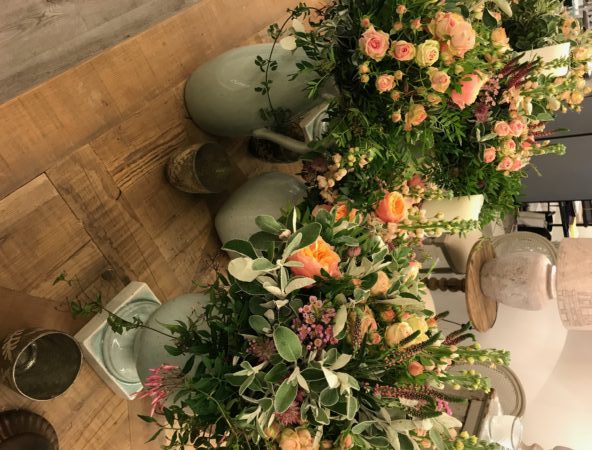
x=305 y=438
x=444 y=24
x=499 y=38
x=395 y=95
x=416 y=180
x=365 y=22
x=516 y=165
x=416 y=115
x=502 y=128
x=374 y=44
x=505 y=164
x=385 y=83
x=388 y=315
x=470 y=86
x=517 y=127
x=576 y=98
x=401 y=9
x=434 y=99
x=489 y=154
x=462 y=39
x=509 y=146
x=289 y=440
x=396 y=332
x=344 y=211
x=445 y=54
x=415 y=368
x=427 y=53
x=415 y=24
x=440 y=80
x=314 y=257
x=382 y=285
x=402 y=51
x=397 y=26
x=392 y=208
x=363 y=68
x=412 y=271
x=396 y=116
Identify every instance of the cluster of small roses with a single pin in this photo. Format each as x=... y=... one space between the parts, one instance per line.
x=301 y=439
x=314 y=324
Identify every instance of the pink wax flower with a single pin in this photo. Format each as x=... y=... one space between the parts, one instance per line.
x=162 y=382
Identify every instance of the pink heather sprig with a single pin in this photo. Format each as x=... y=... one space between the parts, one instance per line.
x=163 y=381
x=314 y=324
x=262 y=349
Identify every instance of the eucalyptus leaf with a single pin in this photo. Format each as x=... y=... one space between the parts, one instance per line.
x=298 y=283
x=340 y=319
x=263 y=264
x=241 y=247
x=259 y=324
x=437 y=439
x=277 y=373
x=269 y=224
x=352 y=407
x=329 y=397
x=287 y=344
x=362 y=426
x=285 y=396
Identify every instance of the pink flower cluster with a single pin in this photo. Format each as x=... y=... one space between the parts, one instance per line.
x=443 y=406
x=314 y=324
x=262 y=349
x=163 y=381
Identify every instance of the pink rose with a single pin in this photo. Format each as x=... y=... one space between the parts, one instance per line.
x=385 y=83
x=517 y=127
x=402 y=51
x=374 y=44
x=505 y=164
x=502 y=128
x=415 y=368
x=440 y=80
x=445 y=54
x=509 y=146
x=314 y=257
x=516 y=166
x=416 y=180
x=470 y=86
x=416 y=115
x=392 y=208
x=462 y=39
x=444 y=24
x=489 y=154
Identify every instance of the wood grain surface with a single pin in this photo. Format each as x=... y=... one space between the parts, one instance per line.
x=83 y=187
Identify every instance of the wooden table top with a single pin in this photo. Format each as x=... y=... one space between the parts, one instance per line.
x=83 y=190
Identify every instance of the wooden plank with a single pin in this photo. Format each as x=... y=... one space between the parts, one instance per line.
x=88 y=416
x=38 y=233
x=19 y=310
x=141 y=431
x=96 y=200
x=53 y=119
x=39 y=39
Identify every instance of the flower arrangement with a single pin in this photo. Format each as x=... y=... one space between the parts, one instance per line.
x=427 y=88
x=317 y=338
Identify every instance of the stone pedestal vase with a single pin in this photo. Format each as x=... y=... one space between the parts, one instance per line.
x=523 y=280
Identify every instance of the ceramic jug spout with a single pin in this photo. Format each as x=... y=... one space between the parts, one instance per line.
x=289 y=143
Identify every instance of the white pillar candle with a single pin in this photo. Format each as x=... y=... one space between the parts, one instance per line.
x=465 y=208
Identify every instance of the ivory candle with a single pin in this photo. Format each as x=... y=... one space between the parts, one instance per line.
x=465 y=208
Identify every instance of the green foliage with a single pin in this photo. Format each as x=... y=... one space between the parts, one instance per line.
x=534 y=24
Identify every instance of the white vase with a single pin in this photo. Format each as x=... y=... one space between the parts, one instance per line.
x=464 y=208
x=149 y=346
x=221 y=99
x=266 y=194
x=548 y=54
x=523 y=280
